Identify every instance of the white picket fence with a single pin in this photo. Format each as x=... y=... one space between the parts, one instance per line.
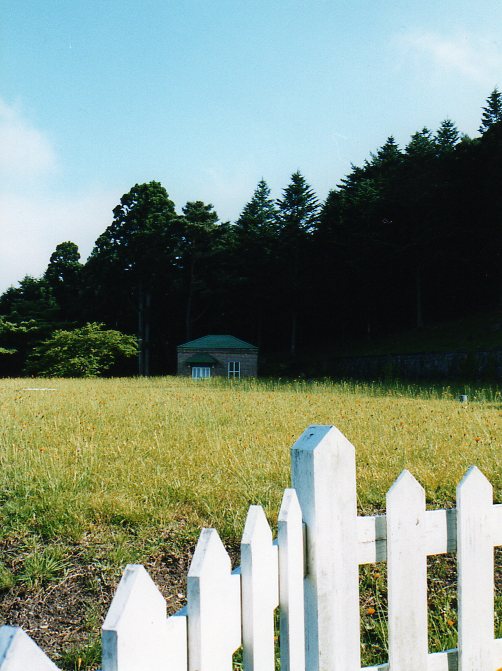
x=311 y=573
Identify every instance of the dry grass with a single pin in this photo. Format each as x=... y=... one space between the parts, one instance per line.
x=120 y=463
x=147 y=452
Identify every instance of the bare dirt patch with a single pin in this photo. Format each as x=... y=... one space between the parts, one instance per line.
x=64 y=617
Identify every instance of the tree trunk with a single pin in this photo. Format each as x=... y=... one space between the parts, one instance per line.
x=418 y=289
x=144 y=303
x=188 y=307
x=141 y=331
x=294 y=326
x=146 y=331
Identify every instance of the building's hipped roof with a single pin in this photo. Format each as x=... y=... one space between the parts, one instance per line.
x=217 y=342
x=201 y=358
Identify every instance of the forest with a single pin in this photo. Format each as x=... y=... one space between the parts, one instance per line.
x=410 y=238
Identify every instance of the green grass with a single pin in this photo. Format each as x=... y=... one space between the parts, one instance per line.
x=102 y=470
x=470 y=334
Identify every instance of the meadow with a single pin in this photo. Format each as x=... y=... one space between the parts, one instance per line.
x=98 y=473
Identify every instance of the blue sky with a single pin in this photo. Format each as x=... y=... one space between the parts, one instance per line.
x=209 y=96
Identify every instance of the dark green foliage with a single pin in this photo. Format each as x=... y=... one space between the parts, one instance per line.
x=297 y=217
x=258 y=217
x=492 y=112
x=255 y=250
x=28 y=313
x=88 y=351
x=410 y=238
x=64 y=277
x=298 y=208
x=447 y=136
x=131 y=270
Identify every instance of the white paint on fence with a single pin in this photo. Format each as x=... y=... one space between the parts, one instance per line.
x=324 y=476
x=475 y=572
x=291 y=575
x=19 y=653
x=407 y=574
x=312 y=573
x=259 y=590
x=137 y=636
x=214 y=606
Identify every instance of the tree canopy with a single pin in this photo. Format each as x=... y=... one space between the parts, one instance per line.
x=387 y=250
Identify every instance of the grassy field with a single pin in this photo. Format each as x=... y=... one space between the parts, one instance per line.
x=95 y=474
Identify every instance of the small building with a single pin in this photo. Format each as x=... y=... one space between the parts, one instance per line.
x=217 y=356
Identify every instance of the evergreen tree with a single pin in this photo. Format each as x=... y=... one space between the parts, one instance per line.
x=28 y=313
x=253 y=255
x=421 y=145
x=389 y=155
x=298 y=212
x=492 y=112
x=299 y=207
x=132 y=260
x=64 y=274
x=447 y=136
x=197 y=247
x=259 y=214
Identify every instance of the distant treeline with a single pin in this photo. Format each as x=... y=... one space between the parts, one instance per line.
x=413 y=236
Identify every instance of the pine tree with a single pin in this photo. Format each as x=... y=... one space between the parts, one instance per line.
x=197 y=247
x=260 y=213
x=388 y=155
x=255 y=248
x=492 y=112
x=299 y=207
x=297 y=219
x=64 y=275
x=421 y=145
x=447 y=136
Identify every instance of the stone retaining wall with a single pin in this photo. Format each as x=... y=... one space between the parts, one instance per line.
x=486 y=365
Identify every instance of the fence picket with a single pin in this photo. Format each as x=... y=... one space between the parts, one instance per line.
x=324 y=476
x=311 y=572
x=134 y=633
x=260 y=592
x=291 y=574
x=407 y=575
x=214 y=606
x=476 y=583
x=19 y=653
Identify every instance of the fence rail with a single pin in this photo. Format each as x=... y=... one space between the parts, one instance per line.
x=311 y=574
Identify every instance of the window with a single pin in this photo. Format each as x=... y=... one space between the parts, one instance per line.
x=234 y=369
x=200 y=372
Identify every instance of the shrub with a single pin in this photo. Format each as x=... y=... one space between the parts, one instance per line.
x=88 y=351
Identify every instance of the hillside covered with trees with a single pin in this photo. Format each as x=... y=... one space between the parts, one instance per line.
x=410 y=238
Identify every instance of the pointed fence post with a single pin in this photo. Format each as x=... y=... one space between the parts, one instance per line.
x=136 y=635
x=214 y=606
x=476 y=586
x=324 y=476
x=19 y=653
x=291 y=574
x=407 y=574
x=260 y=592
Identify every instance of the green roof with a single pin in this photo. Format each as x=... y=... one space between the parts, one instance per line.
x=217 y=342
x=201 y=358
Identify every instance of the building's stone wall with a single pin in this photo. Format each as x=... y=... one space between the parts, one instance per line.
x=247 y=358
x=439 y=365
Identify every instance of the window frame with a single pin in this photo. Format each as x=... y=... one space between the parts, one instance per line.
x=198 y=369
x=234 y=370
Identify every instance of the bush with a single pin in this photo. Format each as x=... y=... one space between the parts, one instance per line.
x=88 y=351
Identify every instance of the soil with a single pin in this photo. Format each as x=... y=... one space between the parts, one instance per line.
x=65 y=617
x=56 y=617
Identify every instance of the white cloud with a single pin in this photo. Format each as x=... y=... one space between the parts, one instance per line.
x=475 y=58
x=32 y=225
x=25 y=151
x=35 y=215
